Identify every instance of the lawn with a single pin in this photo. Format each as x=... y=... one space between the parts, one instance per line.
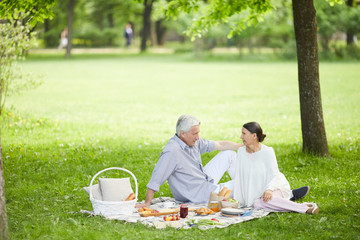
x=93 y=112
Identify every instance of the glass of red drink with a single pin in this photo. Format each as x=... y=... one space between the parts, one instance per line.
x=184 y=210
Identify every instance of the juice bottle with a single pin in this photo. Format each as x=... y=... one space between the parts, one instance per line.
x=214 y=205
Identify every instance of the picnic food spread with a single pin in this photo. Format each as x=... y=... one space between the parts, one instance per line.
x=147 y=212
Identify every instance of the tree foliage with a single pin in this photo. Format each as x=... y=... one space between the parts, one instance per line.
x=15 y=40
x=37 y=10
x=97 y=23
x=218 y=11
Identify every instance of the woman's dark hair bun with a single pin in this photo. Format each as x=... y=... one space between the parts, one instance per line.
x=254 y=127
x=262 y=137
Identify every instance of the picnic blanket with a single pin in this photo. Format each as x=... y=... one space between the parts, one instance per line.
x=159 y=223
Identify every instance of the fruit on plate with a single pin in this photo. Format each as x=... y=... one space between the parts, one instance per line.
x=171 y=218
x=204 y=211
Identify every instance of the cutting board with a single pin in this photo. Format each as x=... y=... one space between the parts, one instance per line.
x=173 y=211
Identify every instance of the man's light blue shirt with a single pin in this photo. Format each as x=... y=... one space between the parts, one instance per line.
x=181 y=165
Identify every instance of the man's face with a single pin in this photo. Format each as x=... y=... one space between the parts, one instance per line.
x=191 y=136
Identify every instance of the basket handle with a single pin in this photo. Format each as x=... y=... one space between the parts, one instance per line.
x=112 y=168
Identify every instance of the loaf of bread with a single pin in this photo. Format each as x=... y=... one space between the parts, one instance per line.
x=227 y=194
x=130 y=197
x=223 y=191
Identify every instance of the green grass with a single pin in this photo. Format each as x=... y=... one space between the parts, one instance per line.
x=94 y=112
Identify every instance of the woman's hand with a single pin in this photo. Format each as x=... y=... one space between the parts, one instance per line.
x=267 y=195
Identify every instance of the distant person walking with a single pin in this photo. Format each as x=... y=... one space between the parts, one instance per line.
x=128 y=34
x=63 y=39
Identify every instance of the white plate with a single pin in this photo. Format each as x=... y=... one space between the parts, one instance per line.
x=233 y=211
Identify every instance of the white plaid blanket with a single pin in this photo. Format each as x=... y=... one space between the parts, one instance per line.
x=185 y=223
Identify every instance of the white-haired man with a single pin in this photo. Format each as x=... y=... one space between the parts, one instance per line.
x=180 y=163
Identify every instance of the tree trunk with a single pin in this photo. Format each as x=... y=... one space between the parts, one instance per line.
x=153 y=36
x=160 y=30
x=325 y=44
x=312 y=122
x=110 y=17
x=145 y=33
x=4 y=234
x=70 y=24
x=47 y=38
x=349 y=33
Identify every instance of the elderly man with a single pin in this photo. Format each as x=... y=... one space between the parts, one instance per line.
x=180 y=163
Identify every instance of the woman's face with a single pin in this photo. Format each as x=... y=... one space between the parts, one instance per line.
x=247 y=137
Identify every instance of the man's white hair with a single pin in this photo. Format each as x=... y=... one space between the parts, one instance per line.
x=185 y=123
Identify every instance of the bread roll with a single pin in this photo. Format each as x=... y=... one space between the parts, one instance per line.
x=130 y=197
x=223 y=191
x=228 y=192
x=204 y=211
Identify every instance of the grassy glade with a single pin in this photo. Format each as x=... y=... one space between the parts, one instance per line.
x=97 y=112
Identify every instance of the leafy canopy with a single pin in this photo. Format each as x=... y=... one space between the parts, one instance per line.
x=218 y=11
x=15 y=40
x=38 y=10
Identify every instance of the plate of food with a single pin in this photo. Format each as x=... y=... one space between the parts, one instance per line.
x=204 y=211
x=233 y=211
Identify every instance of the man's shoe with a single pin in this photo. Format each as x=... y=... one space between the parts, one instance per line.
x=300 y=193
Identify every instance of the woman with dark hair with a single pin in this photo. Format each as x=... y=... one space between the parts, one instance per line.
x=258 y=181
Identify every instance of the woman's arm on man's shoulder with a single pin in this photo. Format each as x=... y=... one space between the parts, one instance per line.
x=227 y=145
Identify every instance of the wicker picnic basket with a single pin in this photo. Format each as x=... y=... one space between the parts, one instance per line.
x=113 y=208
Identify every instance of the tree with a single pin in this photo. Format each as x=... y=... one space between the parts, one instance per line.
x=312 y=121
x=13 y=44
x=352 y=21
x=70 y=27
x=145 y=33
x=350 y=32
x=37 y=10
x=328 y=20
x=160 y=30
x=15 y=39
x=218 y=11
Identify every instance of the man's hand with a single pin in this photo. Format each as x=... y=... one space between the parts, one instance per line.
x=142 y=205
x=267 y=195
x=149 y=196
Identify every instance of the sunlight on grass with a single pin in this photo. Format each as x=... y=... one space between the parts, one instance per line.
x=97 y=112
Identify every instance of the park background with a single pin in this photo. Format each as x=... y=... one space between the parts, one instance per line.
x=106 y=105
